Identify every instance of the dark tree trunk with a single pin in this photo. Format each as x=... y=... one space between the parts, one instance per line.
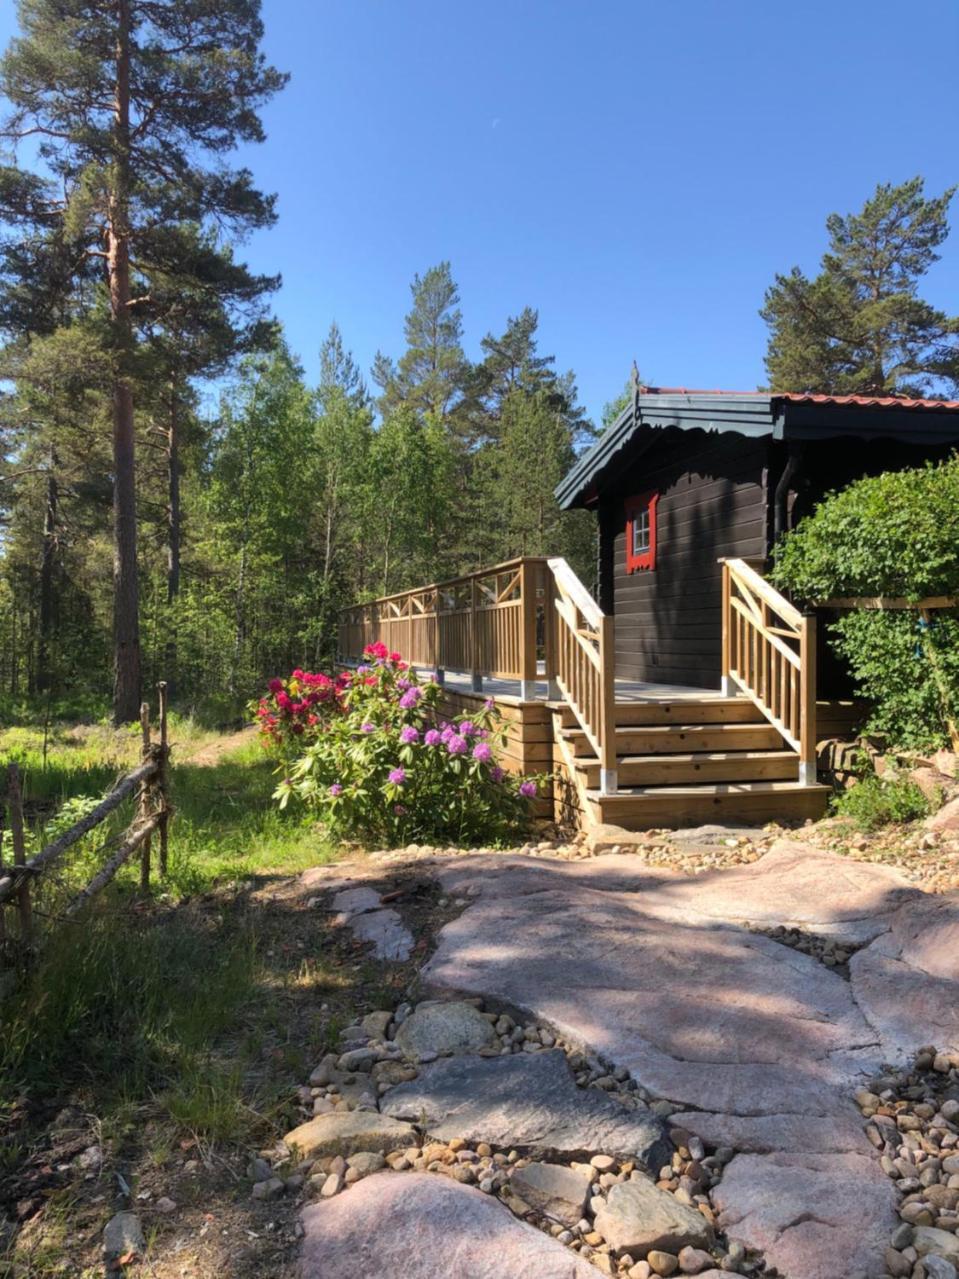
x=173 y=536
x=126 y=623
x=47 y=570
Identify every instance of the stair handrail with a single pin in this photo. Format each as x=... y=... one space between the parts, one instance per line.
x=582 y=664
x=769 y=654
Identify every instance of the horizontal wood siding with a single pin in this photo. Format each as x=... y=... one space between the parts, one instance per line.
x=712 y=503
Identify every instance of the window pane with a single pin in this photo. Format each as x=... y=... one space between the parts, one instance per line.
x=641 y=531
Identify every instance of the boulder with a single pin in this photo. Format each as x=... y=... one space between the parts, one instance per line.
x=122 y=1236
x=556 y=1191
x=348 y=1132
x=529 y=1101
x=427 y=1227
x=638 y=1217
x=947 y=818
x=441 y=1028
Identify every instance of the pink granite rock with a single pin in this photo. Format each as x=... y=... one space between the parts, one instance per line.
x=424 y=1226
x=813 y=1217
x=947 y=819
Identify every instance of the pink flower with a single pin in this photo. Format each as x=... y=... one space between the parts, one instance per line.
x=399 y=810
x=432 y=737
x=398 y=776
x=410 y=698
x=482 y=752
x=409 y=735
x=396 y=657
x=466 y=728
x=527 y=790
x=497 y=773
x=489 y=704
x=457 y=745
x=275 y=686
x=336 y=789
x=367 y=727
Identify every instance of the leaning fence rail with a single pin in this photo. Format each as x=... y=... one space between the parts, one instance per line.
x=149 y=782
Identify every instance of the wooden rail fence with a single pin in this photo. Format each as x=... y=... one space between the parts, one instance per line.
x=149 y=782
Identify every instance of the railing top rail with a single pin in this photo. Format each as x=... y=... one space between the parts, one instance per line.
x=760 y=587
x=478 y=573
x=577 y=592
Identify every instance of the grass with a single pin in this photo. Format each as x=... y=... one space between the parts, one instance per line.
x=136 y=1000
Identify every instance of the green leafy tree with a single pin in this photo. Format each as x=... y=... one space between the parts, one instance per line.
x=132 y=105
x=859 y=326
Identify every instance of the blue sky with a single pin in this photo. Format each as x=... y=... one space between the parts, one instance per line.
x=637 y=171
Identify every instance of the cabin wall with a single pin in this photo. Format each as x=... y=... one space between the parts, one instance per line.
x=712 y=504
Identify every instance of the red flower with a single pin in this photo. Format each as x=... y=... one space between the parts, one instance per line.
x=275 y=686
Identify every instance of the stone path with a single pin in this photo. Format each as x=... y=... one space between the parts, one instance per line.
x=756 y=1046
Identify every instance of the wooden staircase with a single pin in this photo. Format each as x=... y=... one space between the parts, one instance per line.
x=685 y=762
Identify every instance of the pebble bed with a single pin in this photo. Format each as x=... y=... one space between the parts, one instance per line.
x=826 y=950
x=913 y=1122
x=371 y=1063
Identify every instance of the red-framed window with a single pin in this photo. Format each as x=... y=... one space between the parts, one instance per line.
x=641 y=532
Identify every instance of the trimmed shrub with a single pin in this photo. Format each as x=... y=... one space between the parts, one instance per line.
x=893 y=535
x=881 y=801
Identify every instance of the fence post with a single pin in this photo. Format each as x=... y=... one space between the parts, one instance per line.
x=24 y=905
x=807 y=693
x=144 y=805
x=163 y=776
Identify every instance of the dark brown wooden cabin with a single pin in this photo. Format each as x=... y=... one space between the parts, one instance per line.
x=683 y=478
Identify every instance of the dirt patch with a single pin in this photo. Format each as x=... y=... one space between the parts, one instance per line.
x=211 y=755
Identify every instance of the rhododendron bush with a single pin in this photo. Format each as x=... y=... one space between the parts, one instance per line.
x=369 y=752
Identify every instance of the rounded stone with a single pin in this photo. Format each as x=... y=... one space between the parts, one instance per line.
x=444 y=1028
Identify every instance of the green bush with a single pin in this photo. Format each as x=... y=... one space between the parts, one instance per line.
x=893 y=535
x=369 y=755
x=882 y=801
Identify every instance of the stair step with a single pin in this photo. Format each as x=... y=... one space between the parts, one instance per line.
x=753 y=803
x=698 y=767
x=661 y=739
x=685 y=710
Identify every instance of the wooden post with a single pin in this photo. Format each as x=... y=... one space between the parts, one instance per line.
x=550 y=635
x=476 y=679
x=144 y=805
x=608 y=780
x=807 y=695
x=727 y=682
x=528 y=665
x=163 y=777
x=24 y=905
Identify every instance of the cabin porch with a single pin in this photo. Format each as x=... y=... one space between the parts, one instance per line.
x=620 y=751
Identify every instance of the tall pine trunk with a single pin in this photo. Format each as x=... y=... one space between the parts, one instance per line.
x=126 y=623
x=173 y=535
x=47 y=567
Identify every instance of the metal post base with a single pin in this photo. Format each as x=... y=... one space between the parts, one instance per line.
x=527 y=690
x=807 y=772
x=476 y=683
x=608 y=781
x=553 y=693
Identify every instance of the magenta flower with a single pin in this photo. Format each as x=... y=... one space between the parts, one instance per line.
x=466 y=728
x=497 y=773
x=489 y=704
x=527 y=790
x=398 y=776
x=362 y=670
x=409 y=734
x=482 y=752
x=410 y=698
x=336 y=789
x=457 y=745
x=275 y=686
x=367 y=728
x=432 y=737
x=403 y=684
x=399 y=810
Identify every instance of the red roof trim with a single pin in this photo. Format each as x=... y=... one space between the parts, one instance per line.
x=791 y=397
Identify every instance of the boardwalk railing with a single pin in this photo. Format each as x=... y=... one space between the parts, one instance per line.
x=485 y=623
x=585 y=667
x=22 y=877
x=769 y=653
x=529 y=619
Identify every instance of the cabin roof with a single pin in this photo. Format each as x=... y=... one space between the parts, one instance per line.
x=795 y=416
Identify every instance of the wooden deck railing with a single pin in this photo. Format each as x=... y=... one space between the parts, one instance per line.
x=769 y=653
x=486 y=623
x=495 y=623
x=585 y=668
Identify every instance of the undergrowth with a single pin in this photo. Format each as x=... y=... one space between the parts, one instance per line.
x=881 y=801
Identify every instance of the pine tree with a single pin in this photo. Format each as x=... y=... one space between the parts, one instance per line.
x=859 y=326
x=431 y=371
x=133 y=104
